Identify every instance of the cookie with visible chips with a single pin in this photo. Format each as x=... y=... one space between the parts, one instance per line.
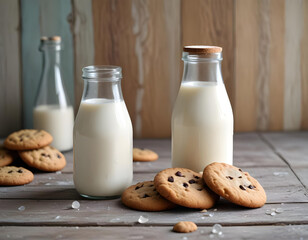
x=184 y=187
x=234 y=185
x=144 y=155
x=144 y=197
x=27 y=139
x=47 y=159
x=14 y=176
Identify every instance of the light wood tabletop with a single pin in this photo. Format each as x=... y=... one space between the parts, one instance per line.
x=43 y=208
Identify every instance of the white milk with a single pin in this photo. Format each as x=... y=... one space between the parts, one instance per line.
x=58 y=121
x=202 y=126
x=103 y=144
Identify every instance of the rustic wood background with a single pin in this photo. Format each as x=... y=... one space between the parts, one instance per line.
x=265 y=46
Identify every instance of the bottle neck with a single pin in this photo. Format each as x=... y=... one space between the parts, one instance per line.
x=98 y=89
x=51 y=58
x=202 y=68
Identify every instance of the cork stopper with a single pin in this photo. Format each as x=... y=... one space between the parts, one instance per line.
x=52 y=39
x=202 y=49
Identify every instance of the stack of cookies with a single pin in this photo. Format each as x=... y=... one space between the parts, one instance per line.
x=184 y=187
x=33 y=148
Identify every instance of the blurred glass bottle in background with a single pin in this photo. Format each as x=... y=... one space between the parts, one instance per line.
x=52 y=111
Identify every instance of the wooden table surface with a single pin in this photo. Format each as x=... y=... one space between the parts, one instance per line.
x=278 y=160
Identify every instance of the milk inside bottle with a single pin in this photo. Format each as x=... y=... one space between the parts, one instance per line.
x=202 y=118
x=103 y=138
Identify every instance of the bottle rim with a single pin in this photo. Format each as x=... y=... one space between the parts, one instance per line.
x=200 y=53
x=102 y=73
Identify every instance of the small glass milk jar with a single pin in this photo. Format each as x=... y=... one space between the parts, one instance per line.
x=53 y=111
x=103 y=136
x=202 y=118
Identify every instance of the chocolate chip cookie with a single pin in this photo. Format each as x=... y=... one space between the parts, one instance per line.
x=27 y=139
x=6 y=157
x=13 y=176
x=234 y=185
x=184 y=187
x=144 y=155
x=143 y=196
x=47 y=159
x=185 y=227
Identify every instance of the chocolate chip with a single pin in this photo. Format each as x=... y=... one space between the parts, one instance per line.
x=145 y=196
x=170 y=179
x=240 y=170
x=200 y=189
x=58 y=156
x=178 y=173
x=251 y=187
x=151 y=185
x=10 y=171
x=20 y=171
x=196 y=177
x=240 y=177
x=21 y=139
x=48 y=155
x=191 y=181
x=229 y=177
x=154 y=189
x=242 y=187
x=185 y=184
x=43 y=154
x=137 y=187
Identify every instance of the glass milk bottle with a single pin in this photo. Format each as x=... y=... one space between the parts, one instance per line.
x=53 y=111
x=202 y=118
x=103 y=136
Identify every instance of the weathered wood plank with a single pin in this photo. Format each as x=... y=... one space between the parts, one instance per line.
x=246 y=39
x=211 y=22
x=41 y=18
x=276 y=61
x=279 y=182
x=143 y=37
x=292 y=91
x=113 y=213
x=304 y=70
x=293 y=146
x=82 y=28
x=10 y=69
x=139 y=232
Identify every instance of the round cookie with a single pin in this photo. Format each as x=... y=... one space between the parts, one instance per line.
x=185 y=227
x=6 y=158
x=46 y=159
x=144 y=155
x=143 y=196
x=13 y=176
x=234 y=185
x=27 y=139
x=184 y=187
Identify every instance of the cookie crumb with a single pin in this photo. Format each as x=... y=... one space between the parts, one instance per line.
x=185 y=227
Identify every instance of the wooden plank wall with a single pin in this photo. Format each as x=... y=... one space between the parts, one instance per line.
x=10 y=69
x=265 y=55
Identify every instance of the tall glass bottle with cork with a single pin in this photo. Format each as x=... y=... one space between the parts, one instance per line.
x=202 y=118
x=53 y=111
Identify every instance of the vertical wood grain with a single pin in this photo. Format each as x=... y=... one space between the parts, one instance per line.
x=41 y=18
x=263 y=66
x=82 y=29
x=304 y=68
x=246 y=62
x=10 y=85
x=210 y=22
x=143 y=38
x=276 y=78
x=293 y=38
